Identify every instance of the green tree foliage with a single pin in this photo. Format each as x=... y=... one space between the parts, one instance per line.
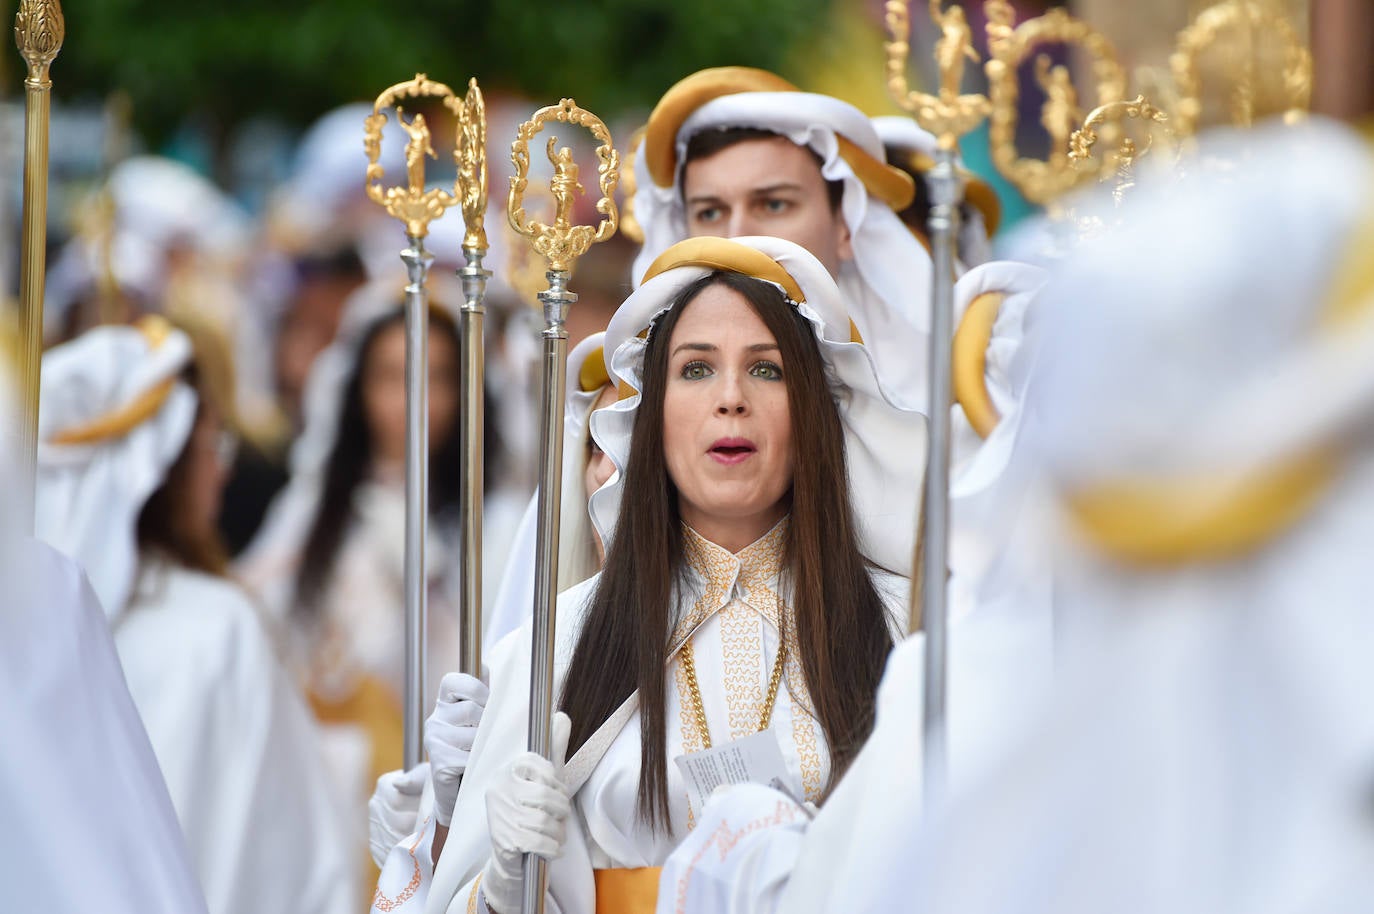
x=218 y=62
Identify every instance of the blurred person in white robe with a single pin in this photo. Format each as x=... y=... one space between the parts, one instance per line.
x=88 y=821
x=329 y=560
x=1205 y=425
x=130 y=462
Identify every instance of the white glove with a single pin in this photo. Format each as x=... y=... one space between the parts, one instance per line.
x=449 y=733
x=393 y=809
x=527 y=812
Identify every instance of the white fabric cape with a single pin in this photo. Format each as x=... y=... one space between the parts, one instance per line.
x=88 y=824
x=237 y=747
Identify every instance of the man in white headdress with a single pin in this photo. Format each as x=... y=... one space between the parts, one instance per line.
x=1210 y=749
x=88 y=822
x=738 y=151
x=128 y=475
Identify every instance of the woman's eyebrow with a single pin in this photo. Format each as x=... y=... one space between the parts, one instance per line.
x=695 y=347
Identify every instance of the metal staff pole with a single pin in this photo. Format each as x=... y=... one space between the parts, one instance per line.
x=39 y=30
x=471 y=157
x=948 y=115
x=560 y=243
x=416 y=208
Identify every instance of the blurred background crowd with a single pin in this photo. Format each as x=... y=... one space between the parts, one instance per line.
x=207 y=165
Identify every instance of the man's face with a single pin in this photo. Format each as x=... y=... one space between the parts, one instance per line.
x=766 y=186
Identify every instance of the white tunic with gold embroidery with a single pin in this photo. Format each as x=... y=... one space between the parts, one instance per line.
x=732 y=606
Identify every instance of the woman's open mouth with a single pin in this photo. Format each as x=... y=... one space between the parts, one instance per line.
x=730 y=451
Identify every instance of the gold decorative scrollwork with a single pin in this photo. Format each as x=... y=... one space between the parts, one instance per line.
x=410 y=203
x=1009 y=46
x=1233 y=28
x=562 y=242
x=1119 y=164
x=470 y=155
x=39 y=31
x=950 y=114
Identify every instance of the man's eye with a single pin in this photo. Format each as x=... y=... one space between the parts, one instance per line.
x=707 y=214
x=768 y=371
x=776 y=206
x=695 y=371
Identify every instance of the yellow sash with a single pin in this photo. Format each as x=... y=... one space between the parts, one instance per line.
x=627 y=891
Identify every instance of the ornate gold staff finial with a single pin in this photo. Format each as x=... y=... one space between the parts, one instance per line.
x=471 y=157
x=1010 y=46
x=562 y=242
x=948 y=115
x=1233 y=29
x=39 y=31
x=410 y=203
x=1119 y=164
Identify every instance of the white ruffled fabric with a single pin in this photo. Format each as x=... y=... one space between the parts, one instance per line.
x=89 y=496
x=885 y=444
x=576 y=550
x=886 y=285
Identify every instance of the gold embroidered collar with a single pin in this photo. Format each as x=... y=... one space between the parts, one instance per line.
x=753 y=571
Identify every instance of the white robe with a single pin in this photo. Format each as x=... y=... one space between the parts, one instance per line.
x=730 y=615
x=754 y=852
x=236 y=745
x=87 y=823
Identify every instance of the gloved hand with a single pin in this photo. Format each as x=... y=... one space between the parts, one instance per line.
x=527 y=812
x=449 y=733
x=393 y=809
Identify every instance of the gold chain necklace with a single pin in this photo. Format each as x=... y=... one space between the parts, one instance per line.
x=687 y=658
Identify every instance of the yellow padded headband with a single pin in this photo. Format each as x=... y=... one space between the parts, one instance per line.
x=1171 y=521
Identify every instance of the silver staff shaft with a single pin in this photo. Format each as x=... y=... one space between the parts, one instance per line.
x=417 y=261
x=945 y=191
x=472 y=317
x=556 y=301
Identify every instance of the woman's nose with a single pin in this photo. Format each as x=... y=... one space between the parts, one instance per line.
x=732 y=400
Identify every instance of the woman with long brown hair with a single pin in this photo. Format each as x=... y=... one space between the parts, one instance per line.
x=747 y=600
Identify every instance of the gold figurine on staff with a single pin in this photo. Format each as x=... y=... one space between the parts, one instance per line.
x=416 y=207
x=1009 y=46
x=950 y=114
x=411 y=203
x=39 y=31
x=560 y=243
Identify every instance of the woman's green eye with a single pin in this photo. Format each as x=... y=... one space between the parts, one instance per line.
x=768 y=371
x=695 y=371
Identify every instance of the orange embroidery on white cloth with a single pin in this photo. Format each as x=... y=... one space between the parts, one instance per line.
x=725 y=838
x=383 y=903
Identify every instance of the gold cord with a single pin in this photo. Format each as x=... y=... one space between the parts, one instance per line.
x=689 y=667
